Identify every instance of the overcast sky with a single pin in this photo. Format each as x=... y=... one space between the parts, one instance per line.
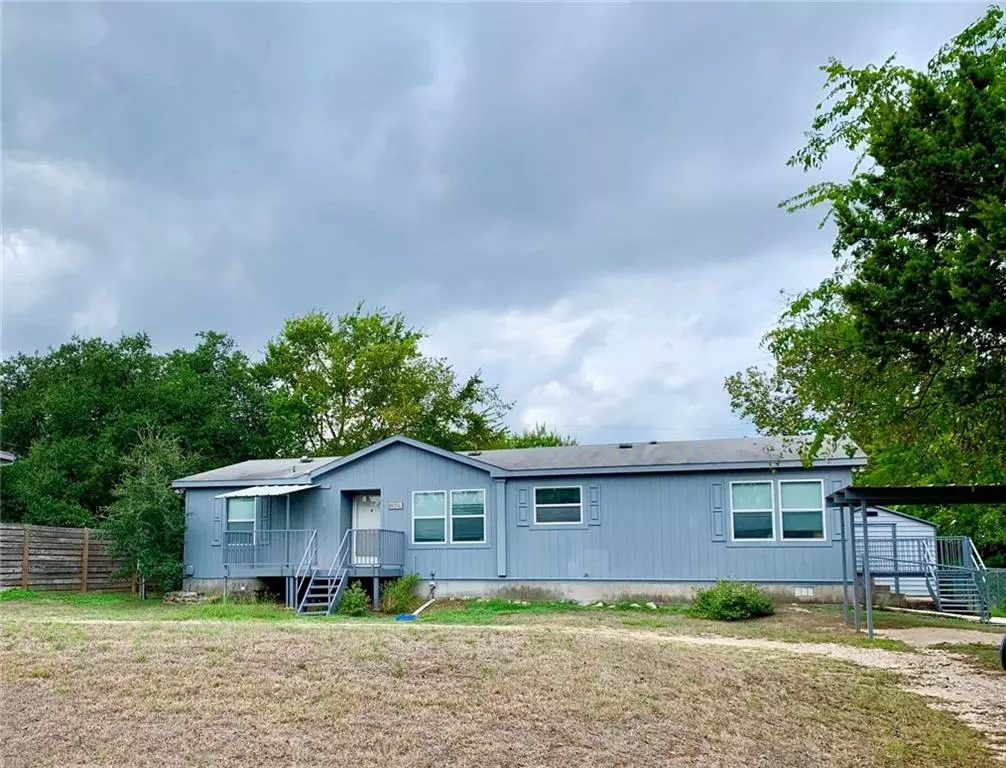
x=579 y=200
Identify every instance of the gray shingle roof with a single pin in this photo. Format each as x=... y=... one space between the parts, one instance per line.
x=262 y=469
x=751 y=453
x=756 y=451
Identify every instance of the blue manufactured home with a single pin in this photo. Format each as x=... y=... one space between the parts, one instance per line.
x=585 y=522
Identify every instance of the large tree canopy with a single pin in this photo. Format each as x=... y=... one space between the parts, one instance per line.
x=538 y=436
x=903 y=348
x=74 y=414
x=340 y=384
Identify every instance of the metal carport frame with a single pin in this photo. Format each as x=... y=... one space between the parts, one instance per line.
x=849 y=498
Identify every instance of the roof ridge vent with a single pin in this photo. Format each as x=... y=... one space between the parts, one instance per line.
x=625 y=445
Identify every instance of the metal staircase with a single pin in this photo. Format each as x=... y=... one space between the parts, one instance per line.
x=955 y=575
x=319 y=592
x=959 y=592
x=956 y=578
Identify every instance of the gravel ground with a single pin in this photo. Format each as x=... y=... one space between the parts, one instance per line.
x=977 y=699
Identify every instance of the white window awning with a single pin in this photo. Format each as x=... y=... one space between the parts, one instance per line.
x=266 y=490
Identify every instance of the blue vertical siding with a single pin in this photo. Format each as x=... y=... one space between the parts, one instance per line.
x=670 y=527
x=396 y=472
x=203 y=556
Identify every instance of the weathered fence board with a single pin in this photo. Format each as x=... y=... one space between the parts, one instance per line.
x=43 y=558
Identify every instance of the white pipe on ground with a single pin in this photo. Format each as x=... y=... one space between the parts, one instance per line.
x=423 y=607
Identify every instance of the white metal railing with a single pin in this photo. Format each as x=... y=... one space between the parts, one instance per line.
x=338 y=572
x=976 y=558
x=305 y=568
x=932 y=579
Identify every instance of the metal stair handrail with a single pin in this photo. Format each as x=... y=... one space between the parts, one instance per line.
x=932 y=579
x=978 y=573
x=338 y=571
x=306 y=569
x=976 y=558
x=341 y=554
x=308 y=558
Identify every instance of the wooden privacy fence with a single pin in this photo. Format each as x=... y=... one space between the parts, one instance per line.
x=46 y=558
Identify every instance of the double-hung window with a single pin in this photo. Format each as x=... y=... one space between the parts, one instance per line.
x=241 y=521
x=752 y=511
x=468 y=516
x=802 y=505
x=558 y=506
x=429 y=517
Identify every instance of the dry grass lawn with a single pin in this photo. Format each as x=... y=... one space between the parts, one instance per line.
x=259 y=693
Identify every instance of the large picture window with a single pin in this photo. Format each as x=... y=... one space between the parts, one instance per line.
x=752 y=511
x=802 y=505
x=429 y=517
x=558 y=506
x=468 y=516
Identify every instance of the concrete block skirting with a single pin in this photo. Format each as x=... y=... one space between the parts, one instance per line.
x=608 y=591
x=216 y=586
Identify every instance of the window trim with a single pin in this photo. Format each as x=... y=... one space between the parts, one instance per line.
x=772 y=511
x=824 y=511
x=450 y=512
x=412 y=518
x=535 y=505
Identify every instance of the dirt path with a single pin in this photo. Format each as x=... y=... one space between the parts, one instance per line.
x=924 y=637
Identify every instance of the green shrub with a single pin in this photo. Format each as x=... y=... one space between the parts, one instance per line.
x=355 y=601
x=732 y=601
x=400 y=595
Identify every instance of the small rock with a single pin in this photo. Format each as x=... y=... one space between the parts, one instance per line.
x=598 y=604
x=182 y=597
x=635 y=605
x=652 y=606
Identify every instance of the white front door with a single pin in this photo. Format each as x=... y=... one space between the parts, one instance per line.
x=366 y=522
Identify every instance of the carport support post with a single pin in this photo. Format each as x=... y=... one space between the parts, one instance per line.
x=866 y=573
x=288 y=529
x=377 y=593
x=845 y=568
x=894 y=546
x=855 y=564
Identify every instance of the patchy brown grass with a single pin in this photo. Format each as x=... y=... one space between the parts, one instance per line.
x=789 y=624
x=979 y=655
x=271 y=693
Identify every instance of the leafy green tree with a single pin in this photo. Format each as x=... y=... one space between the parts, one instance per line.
x=921 y=224
x=341 y=384
x=146 y=520
x=212 y=400
x=538 y=436
x=903 y=348
x=72 y=415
